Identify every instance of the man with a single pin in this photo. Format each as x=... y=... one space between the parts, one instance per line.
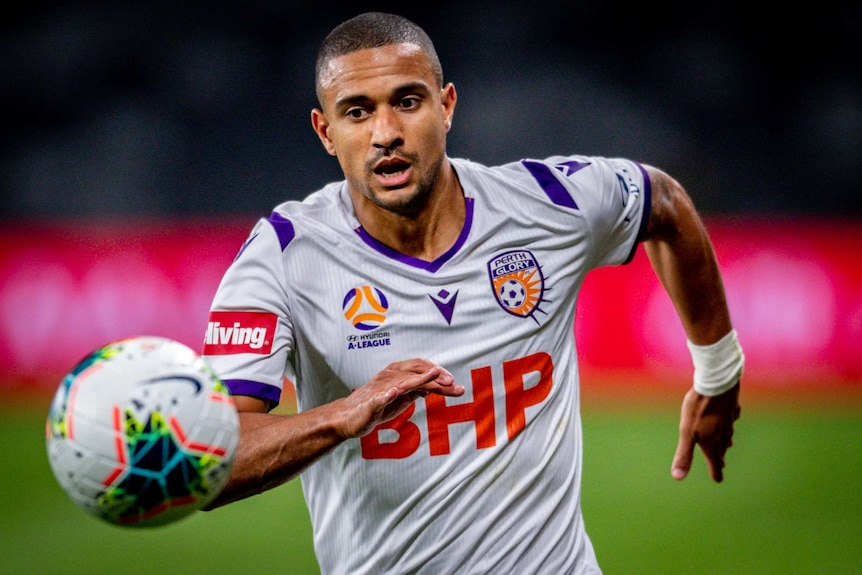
x=424 y=308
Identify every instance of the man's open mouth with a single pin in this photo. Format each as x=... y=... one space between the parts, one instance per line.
x=393 y=173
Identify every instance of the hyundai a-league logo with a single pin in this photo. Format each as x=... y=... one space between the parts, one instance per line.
x=517 y=281
x=365 y=307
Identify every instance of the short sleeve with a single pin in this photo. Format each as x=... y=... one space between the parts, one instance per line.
x=249 y=335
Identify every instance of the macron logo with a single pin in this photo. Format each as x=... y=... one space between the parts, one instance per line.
x=231 y=332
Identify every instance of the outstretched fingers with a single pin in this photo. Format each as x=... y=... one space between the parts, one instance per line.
x=392 y=390
x=706 y=422
x=683 y=457
x=713 y=448
x=419 y=377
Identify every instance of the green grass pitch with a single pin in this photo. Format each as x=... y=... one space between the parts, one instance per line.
x=791 y=503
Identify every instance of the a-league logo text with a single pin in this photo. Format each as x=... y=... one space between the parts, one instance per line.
x=365 y=307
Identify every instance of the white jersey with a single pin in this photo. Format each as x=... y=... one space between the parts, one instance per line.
x=484 y=483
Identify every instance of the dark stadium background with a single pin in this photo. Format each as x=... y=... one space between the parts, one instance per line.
x=140 y=140
x=172 y=107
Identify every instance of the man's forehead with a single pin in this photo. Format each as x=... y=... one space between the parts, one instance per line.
x=408 y=58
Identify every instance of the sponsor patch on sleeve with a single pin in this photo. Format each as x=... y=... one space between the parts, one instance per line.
x=232 y=332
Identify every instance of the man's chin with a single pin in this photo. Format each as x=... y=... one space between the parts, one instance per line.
x=403 y=200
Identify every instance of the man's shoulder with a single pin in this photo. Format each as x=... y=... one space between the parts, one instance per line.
x=526 y=167
x=481 y=175
x=520 y=178
x=321 y=203
x=574 y=169
x=320 y=214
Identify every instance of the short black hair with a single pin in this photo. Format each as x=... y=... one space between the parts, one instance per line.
x=375 y=30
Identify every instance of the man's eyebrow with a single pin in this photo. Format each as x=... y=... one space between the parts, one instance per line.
x=417 y=87
x=410 y=87
x=350 y=101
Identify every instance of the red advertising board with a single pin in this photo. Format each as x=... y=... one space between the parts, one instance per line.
x=67 y=288
x=794 y=289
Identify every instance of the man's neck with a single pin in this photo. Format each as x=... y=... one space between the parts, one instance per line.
x=427 y=234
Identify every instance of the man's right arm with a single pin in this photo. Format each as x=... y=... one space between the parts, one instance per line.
x=273 y=448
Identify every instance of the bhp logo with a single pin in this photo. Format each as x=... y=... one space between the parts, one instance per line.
x=480 y=411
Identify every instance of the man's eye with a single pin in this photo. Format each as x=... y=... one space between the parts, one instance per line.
x=356 y=113
x=409 y=103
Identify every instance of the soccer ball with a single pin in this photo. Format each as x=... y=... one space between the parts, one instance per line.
x=512 y=294
x=141 y=432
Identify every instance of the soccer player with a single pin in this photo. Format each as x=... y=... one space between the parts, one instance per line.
x=424 y=307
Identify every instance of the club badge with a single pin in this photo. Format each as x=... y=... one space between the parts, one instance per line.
x=517 y=281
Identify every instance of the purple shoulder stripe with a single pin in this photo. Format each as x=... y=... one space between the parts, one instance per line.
x=546 y=179
x=283 y=229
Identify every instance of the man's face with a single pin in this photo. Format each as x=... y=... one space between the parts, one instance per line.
x=385 y=120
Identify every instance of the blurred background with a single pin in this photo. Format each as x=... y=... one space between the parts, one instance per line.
x=141 y=140
x=192 y=107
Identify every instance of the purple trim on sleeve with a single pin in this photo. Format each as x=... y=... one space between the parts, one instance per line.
x=647 y=206
x=416 y=262
x=245 y=244
x=283 y=229
x=263 y=391
x=549 y=183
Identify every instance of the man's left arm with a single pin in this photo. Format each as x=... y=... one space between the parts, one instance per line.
x=683 y=258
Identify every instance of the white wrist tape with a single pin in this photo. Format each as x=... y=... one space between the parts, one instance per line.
x=717 y=366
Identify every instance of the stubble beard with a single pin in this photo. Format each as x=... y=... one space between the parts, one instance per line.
x=401 y=204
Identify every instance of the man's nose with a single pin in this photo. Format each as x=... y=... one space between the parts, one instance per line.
x=387 y=130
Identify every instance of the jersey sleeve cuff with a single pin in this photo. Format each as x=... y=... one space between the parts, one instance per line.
x=264 y=391
x=646 y=207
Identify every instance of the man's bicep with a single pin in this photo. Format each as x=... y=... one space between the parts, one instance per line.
x=668 y=199
x=247 y=403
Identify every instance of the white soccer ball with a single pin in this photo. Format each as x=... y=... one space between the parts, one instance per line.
x=512 y=294
x=141 y=432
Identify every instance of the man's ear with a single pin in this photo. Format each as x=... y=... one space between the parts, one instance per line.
x=448 y=98
x=321 y=128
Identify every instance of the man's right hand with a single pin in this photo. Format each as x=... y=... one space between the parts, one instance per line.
x=389 y=393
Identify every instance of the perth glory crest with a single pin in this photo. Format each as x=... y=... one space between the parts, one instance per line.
x=517 y=282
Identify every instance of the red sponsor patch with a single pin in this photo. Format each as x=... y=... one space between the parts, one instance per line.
x=230 y=332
